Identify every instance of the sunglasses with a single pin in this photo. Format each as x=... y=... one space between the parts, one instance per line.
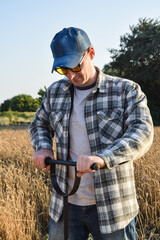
x=63 y=70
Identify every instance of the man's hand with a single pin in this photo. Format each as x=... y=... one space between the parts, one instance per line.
x=39 y=156
x=84 y=163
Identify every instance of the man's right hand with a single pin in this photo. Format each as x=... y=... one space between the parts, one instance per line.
x=39 y=156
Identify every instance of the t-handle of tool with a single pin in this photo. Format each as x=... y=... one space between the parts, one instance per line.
x=48 y=161
x=52 y=163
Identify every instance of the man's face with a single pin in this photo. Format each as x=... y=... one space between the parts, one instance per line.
x=85 y=76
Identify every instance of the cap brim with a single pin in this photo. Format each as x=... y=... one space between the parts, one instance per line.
x=68 y=61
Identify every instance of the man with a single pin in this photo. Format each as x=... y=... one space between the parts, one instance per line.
x=96 y=118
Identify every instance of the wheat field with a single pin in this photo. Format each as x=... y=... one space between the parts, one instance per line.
x=25 y=191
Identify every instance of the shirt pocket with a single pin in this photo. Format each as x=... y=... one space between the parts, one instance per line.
x=57 y=123
x=110 y=125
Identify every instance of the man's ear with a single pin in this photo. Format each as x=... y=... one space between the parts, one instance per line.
x=91 y=52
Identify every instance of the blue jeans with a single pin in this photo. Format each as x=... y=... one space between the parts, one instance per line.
x=83 y=220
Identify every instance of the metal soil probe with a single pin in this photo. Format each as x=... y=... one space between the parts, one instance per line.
x=52 y=163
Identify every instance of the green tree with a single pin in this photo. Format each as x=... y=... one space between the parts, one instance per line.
x=139 y=56
x=5 y=106
x=41 y=93
x=109 y=70
x=24 y=103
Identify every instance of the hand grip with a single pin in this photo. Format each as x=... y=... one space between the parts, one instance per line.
x=48 y=161
x=95 y=166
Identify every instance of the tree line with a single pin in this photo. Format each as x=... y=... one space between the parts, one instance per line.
x=23 y=102
x=137 y=58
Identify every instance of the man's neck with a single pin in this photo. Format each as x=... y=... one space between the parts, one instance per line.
x=94 y=77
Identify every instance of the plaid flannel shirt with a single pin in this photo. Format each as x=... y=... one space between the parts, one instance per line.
x=120 y=130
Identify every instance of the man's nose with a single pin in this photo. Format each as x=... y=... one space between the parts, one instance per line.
x=70 y=75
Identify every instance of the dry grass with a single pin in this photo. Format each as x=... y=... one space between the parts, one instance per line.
x=12 y=117
x=147 y=174
x=25 y=191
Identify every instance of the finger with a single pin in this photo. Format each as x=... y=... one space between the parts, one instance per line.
x=39 y=163
x=35 y=161
x=48 y=168
x=80 y=174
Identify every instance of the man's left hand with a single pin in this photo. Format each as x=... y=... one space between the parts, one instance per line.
x=85 y=162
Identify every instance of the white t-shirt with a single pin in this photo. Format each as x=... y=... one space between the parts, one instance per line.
x=79 y=145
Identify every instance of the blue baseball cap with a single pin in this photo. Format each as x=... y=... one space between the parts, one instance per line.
x=68 y=46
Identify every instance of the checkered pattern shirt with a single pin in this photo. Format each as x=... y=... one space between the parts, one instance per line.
x=120 y=130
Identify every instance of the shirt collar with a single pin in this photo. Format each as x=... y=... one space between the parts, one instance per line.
x=100 y=85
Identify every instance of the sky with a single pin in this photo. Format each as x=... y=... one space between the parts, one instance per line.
x=27 y=28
